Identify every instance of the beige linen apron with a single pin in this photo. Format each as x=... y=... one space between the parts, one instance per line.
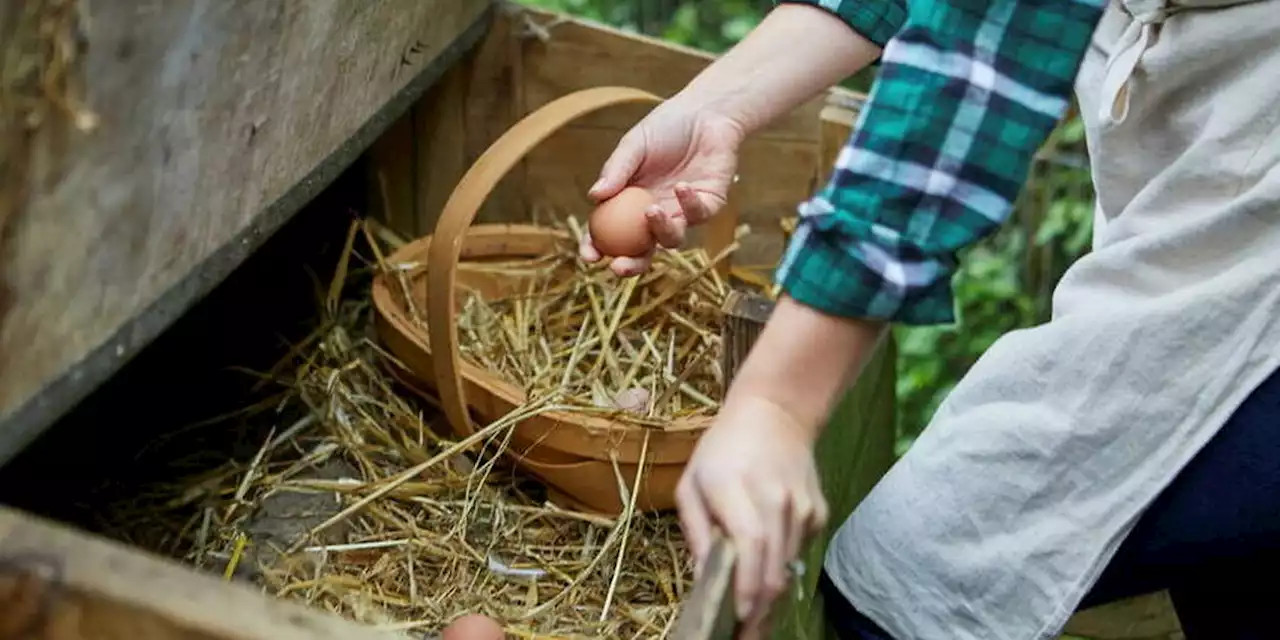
x=1009 y=506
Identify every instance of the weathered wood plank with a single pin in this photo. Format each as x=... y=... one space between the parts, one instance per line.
x=58 y=584
x=218 y=119
x=566 y=55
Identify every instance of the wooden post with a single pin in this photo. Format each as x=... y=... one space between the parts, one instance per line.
x=745 y=315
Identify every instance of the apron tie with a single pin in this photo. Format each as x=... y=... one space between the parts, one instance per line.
x=1133 y=42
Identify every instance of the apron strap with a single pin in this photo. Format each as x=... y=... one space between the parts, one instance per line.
x=1133 y=42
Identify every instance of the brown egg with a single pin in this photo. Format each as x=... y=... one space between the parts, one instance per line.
x=473 y=627
x=618 y=225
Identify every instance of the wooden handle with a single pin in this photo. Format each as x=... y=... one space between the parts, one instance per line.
x=461 y=209
x=708 y=613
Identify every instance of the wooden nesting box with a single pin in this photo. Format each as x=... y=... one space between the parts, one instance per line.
x=157 y=145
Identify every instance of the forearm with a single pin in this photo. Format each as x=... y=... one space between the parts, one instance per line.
x=795 y=52
x=804 y=360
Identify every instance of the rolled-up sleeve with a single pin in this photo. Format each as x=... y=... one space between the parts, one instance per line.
x=968 y=90
x=875 y=20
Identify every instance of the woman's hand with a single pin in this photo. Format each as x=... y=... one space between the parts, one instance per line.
x=686 y=157
x=753 y=472
x=753 y=475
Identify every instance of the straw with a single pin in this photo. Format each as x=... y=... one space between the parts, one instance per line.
x=354 y=500
x=560 y=326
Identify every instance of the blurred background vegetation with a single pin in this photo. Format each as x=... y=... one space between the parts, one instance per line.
x=1005 y=282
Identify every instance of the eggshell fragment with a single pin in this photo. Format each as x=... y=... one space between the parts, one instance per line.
x=618 y=225
x=473 y=627
x=634 y=400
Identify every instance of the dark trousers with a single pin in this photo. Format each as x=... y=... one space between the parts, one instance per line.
x=1212 y=538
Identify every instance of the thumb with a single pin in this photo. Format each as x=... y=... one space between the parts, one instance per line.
x=618 y=169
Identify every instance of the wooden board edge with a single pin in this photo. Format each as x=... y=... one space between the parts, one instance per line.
x=60 y=583
x=24 y=424
x=516 y=8
x=708 y=613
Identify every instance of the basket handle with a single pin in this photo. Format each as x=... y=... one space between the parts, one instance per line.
x=461 y=209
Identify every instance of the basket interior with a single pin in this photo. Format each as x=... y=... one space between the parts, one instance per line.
x=486 y=251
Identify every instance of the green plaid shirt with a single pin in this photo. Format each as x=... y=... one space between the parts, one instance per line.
x=967 y=92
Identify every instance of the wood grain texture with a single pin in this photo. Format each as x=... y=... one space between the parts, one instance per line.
x=58 y=584
x=708 y=613
x=573 y=54
x=424 y=156
x=745 y=317
x=215 y=115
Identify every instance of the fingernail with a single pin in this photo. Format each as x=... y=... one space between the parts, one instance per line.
x=744 y=609
x=598 y=185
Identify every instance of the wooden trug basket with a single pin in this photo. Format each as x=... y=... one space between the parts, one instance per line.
x=573 y=454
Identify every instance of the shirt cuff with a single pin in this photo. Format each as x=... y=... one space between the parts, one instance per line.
x=841 y=272
x=875 y=20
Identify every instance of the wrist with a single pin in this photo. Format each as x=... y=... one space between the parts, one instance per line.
x=713 y=107
x=763 y=410
x=720 y=104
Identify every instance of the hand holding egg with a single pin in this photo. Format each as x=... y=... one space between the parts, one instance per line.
x=684 y=157
x=629 y=226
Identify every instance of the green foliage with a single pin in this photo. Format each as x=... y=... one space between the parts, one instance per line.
x=1004 y=283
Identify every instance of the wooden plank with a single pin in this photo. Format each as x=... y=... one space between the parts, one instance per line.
x=708 y=613
x=440 y=123
x=494 y=102
x=218 y=120
x=426 y=155
x=422 y=158
x=745 y=315
x=58 y=584
x=393 y=177
x=573 y=54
